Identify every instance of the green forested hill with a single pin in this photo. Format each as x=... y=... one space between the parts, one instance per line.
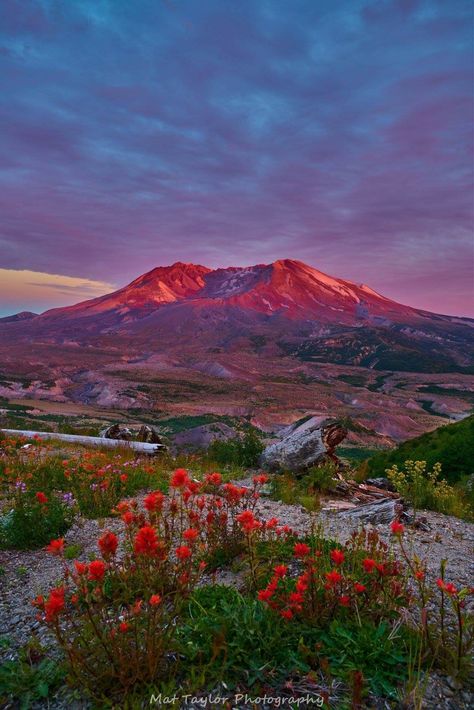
x=452 y=445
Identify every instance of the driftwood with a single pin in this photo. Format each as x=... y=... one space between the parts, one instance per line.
x=380 y=512
x=304 y=445
x=139 y=446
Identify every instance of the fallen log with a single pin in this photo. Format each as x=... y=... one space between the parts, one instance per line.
x=139 y=446
x=304 y=445
x=380 y=512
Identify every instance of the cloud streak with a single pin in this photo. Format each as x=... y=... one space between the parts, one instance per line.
x=23 y=290
x=138 y=134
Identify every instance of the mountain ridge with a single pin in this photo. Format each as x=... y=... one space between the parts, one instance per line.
x=263 y=287
x=293 y=309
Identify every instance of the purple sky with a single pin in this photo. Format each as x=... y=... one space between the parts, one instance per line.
x=134 y=134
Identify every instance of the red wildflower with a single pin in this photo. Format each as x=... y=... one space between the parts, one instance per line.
x=179 y=478
x=124 y=627
x=128 y=517
x=449 y=588
x=337 y=556
x=41 y=498
x=38 y=601
x=286 y=614
x=214 y=478
x=248 y=521
x=146 y=541
x=155 y=599
x=123 y=506
x=272 y=523
x=280 y=570
x=96 y=571
x=55 y=603
x=56 y=547
x=368 y=564
x=81 y=568
x=108 y=544
x=260 y=479
x=420 y=574
x=191 y=535
x=183 y=552
x=360 y=587
x=333 y=577
x=123 y=477
x=344 y=600
x=265 y=595
x=233 y=492
x=301 y=549
x=245 y=517
x=302 y=583
x=154 y=501
x=296 y=598
x=397 y=528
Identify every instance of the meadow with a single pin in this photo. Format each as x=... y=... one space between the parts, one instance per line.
x=189 y=588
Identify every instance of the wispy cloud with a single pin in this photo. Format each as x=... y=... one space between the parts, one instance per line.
x=22 y=290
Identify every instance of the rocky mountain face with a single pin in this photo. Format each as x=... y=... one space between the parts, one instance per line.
x=283 y=308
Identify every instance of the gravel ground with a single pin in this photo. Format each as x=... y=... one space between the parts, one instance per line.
x=25 y=574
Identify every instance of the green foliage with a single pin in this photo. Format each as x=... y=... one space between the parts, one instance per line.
x=424 y=489
x=240 y=451
x=29 y=524
x=235 y=639
x=452 y=445
x=306 y=490
x=379 y=652
x=30 y=678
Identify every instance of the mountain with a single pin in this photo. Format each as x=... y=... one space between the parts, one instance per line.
x=287 y=308
x=289 y=288
x=22 y=316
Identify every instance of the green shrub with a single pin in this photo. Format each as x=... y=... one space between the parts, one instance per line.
x=377 y=651
x=30 y=524
x=424 y=488
x=451 y=445
x=235 y=639
x=30 y=678
x=240 y=451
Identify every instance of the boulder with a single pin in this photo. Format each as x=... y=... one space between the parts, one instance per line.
x=304 y=445
x=149 y=435
x=117 y=431
x=201 y=437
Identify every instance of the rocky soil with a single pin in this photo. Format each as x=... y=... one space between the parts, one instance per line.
x=25 y=574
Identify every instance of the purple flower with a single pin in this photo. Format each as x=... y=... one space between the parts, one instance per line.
x=69 y=499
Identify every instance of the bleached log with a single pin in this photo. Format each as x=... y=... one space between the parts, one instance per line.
x=139 y=446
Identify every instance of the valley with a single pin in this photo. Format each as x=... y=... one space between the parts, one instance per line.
x=265 y=344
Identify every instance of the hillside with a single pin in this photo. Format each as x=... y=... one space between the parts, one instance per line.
x=452 y=445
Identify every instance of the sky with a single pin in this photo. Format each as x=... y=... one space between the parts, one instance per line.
x=224 y=132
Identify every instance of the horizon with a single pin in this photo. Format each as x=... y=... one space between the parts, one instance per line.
x=217 y=132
